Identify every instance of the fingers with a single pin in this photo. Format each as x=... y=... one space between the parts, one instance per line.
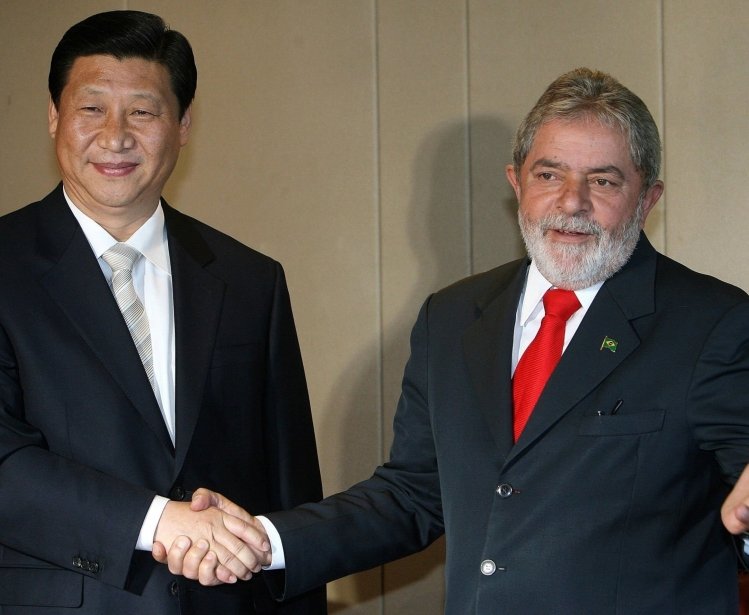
x=735 y=509
x=176 y=556
x=736 y=519
x=179 y=525
x=210 y=571
x=197 y=562
x=234 y=555
x=210 y=545
x=224 y=574
x=159 y=553
x=252 y=533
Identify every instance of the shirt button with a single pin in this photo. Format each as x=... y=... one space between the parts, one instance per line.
x=488 y=567
x=505 y=490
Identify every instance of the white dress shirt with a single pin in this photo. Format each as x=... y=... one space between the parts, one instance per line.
x=152 y=279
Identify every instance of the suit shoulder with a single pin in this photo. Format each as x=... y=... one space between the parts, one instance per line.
x=481 y=287
x=222 y=247
x=11 y=221
x=17 y=230
x=677 y=279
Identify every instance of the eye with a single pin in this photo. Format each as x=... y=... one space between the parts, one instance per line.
x=546 y=176
x=91 y=109
x=143 y=113
x=603 y=182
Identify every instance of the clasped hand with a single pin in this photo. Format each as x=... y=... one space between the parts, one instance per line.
x=214 y=541
x=211 y=540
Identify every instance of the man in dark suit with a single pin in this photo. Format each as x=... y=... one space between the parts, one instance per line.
x=596 y=489
x=142 y=354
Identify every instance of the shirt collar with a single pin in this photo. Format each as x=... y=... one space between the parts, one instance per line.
x=149 y=239
x=536 y=286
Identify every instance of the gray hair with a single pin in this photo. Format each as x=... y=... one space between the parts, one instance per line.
x=588 y=94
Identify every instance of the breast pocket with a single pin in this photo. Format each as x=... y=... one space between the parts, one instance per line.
x=622 y=424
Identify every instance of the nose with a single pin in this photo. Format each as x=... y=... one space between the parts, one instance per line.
x=115 y=134
x=575 y=196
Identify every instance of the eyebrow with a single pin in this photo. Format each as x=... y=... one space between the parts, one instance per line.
x=547 y=162
x=147 y=95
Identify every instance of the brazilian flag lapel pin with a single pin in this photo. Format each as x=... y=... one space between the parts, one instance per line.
x=609 y=344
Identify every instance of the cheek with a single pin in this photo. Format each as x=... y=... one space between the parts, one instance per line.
x=73 y=138
x=534 y=205
x=613 y=216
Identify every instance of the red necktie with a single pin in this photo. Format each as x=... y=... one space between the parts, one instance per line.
x=542 y=355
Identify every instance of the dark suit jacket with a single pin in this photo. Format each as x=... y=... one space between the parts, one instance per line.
x=587 y=513
x=83 y=446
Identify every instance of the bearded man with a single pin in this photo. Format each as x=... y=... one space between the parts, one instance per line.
x=571 y=421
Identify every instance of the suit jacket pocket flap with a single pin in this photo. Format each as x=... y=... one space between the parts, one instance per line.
x=40 y=587
x=622 y=424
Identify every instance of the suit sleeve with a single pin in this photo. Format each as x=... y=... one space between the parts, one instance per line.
x=54 y=509
x=290 y=437
x=394 y=513
x=718 y=403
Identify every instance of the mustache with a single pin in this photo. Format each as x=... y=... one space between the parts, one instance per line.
x=569 y=224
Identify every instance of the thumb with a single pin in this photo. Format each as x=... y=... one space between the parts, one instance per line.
x=205 y=498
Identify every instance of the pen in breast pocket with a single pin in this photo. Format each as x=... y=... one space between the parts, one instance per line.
x=614 y=410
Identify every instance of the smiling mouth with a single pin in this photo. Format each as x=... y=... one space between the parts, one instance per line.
x=565 y=233
x=572 y=233
x=115 y=169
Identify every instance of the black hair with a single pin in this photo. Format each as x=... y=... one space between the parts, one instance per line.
x=126 y=34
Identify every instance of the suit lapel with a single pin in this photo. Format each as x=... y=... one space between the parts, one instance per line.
x=198 y=296
x=487 y=348
x=587 y=362
x=75 y=282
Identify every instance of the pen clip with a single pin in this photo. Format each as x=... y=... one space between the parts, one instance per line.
x=614 y=410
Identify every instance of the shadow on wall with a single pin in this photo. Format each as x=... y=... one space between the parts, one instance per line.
x=460 y=219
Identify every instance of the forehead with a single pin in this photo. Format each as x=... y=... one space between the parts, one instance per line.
x=583 y=142
x=107 y=74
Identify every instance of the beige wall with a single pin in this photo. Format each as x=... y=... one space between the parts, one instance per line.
x=362 y=143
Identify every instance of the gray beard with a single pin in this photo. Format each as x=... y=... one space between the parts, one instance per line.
x=572 y=266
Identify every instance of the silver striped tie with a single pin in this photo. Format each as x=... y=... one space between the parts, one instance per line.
x=121 y=258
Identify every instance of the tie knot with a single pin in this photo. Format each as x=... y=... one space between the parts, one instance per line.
x=560 y=303
x=121 y=257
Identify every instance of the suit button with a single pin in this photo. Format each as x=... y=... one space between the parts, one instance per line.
x=77 y=562
x=505 y=490
x=173 y=588
x=177 y=493
x=488 y=567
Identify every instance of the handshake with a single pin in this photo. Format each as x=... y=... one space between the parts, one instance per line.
x=211 y=540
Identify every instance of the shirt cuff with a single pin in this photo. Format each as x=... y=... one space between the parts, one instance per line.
x=278 y=560
x=148 y=529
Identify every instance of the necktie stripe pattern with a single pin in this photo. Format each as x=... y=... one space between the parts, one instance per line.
x=121 y=258
x=542 y=355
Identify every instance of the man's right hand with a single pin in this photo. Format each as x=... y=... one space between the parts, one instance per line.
x=220 y=558
x=211 y=540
